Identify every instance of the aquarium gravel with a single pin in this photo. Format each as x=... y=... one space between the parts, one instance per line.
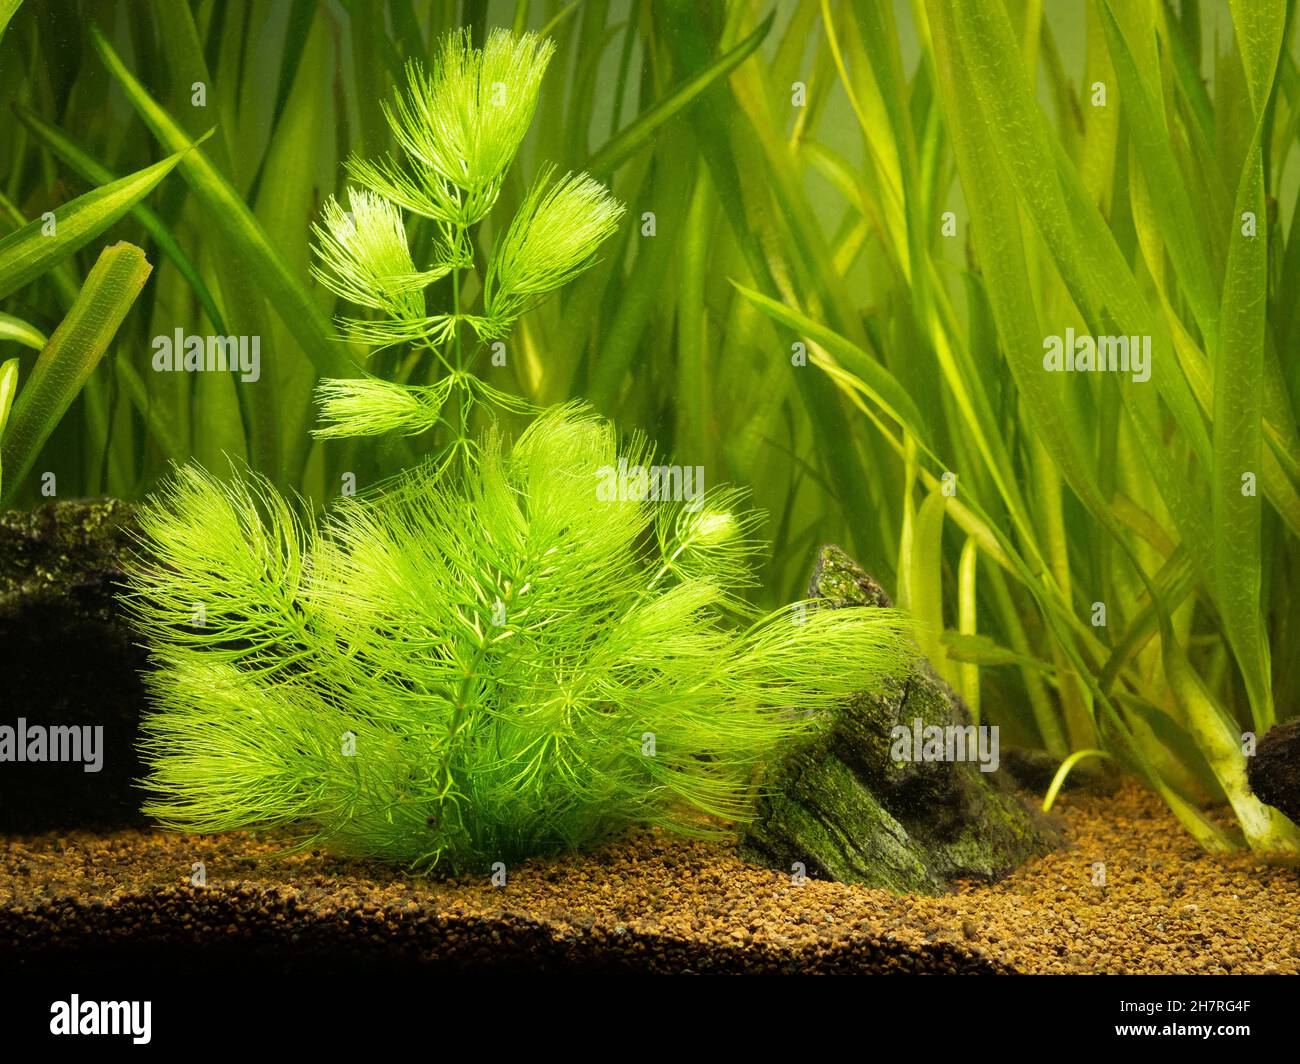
x=655 y=902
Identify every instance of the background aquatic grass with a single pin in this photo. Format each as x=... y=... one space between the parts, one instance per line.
x=775 y=225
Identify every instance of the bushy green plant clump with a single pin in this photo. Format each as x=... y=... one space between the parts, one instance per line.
x=479 y=666
x=491 y=655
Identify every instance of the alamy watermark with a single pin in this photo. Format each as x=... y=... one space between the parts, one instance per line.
x=102 y=1017
x=1098 y=354
x=208 y=354
x=73 y=743
x=952 y=742
x=657 y=483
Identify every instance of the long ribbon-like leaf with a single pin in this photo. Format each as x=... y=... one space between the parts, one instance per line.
x=228 y=212
x=20 y=332
x=620 y=147
x=71 y=356
x=43 y=243
x=91 y=169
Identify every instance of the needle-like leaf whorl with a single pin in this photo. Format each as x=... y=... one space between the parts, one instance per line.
x=461 y=124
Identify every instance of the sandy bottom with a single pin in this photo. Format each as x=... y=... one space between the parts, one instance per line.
x=653 y=902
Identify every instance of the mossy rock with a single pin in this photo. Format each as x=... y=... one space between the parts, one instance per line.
x=842 y=807
x=68 y=660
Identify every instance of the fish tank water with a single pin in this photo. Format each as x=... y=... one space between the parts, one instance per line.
x=558 y=487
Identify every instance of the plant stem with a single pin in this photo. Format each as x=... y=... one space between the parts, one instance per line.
x=462 y=411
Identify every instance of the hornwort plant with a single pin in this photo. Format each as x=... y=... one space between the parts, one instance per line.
x=477 y=660
x=460 y=127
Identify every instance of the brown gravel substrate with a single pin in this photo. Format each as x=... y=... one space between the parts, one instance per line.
x=657 y=903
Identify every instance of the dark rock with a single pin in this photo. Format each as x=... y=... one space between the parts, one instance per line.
x=1274 y=771
x=68 y=660
x=1034 y=769
x=844 y=808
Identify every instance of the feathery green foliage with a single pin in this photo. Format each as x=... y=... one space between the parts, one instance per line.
x=551 y=241
x=460 y=129
x=484 y=658
x=461 y=125
x=476 y=667
x=365 y=258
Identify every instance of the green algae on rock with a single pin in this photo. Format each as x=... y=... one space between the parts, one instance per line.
x=842 y=807
x=62 y=547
